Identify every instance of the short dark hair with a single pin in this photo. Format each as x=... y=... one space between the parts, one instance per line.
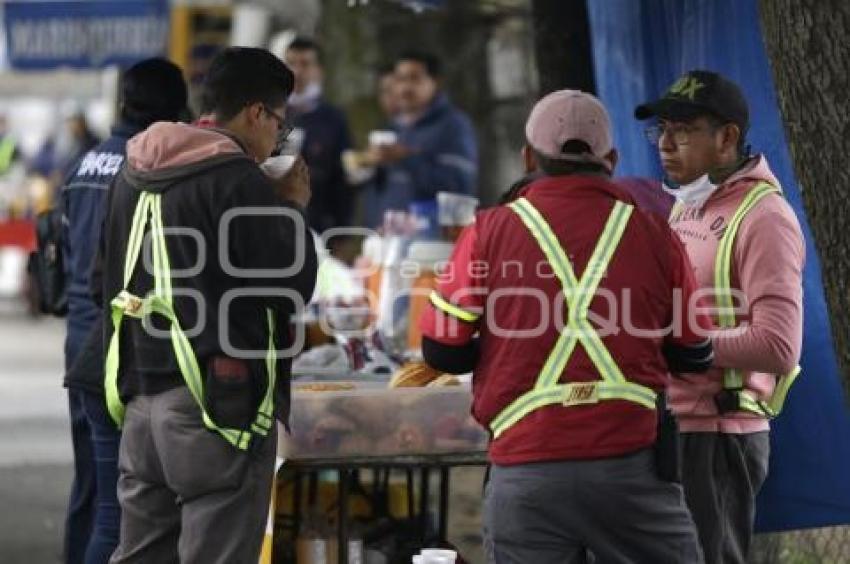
x=241 y=76
x=716 y=122
x=559 y=167
x=302 y=43
x=152 y=90
x=427 y=60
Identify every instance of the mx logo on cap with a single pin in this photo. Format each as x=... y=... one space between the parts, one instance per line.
x=686 y=87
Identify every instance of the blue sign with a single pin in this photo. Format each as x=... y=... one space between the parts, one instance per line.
x=84 y=34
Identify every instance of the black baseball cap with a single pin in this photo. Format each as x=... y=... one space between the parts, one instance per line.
x=698 y=92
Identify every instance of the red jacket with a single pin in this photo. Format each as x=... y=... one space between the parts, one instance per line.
x=498 y=268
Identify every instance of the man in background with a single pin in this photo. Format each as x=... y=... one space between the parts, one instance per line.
x=150 y=91
x=321 y=135
x=436 y=149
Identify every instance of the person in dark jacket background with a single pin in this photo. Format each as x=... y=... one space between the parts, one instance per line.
x=150 y=91
x=436 y=150
x=321 y=134
x=196 y=459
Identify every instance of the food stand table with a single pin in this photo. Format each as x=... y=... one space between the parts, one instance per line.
x=372 y=428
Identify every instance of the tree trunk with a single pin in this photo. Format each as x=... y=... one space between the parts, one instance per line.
x=808 y=43
x=562 y=45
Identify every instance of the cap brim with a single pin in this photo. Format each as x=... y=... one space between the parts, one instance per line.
x=668 y=109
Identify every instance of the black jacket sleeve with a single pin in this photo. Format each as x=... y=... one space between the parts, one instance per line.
x=454 y=359
x=683 y=359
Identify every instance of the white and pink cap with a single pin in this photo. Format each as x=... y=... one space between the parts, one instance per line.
x=570 y=115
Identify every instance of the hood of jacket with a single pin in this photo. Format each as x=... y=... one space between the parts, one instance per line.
x=166 y=153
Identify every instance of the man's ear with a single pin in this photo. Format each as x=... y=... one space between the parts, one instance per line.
x=529 y=161
x=254 y=113
x=613 y=157
x=731 y=137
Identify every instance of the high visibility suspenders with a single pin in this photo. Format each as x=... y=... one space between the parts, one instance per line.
x=149 y=209
x=579 y=295
x=735 y=397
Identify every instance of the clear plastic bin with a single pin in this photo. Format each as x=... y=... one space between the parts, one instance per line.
x=372 y=420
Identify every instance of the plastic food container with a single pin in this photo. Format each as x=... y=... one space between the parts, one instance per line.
x=372 y=420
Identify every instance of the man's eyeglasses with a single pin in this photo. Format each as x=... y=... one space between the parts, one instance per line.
x=679 y=133
x=283 y=128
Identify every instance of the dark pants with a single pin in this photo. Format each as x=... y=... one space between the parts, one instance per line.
x=91 y=529
x=187 y=496
x=722 y=474
x=562 y=512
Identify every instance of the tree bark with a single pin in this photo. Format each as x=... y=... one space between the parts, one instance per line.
x=562 y=45
x=808 y=44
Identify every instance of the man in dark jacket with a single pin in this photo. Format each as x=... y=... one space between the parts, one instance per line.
x=436 y=150
x=206 y=259
x=152 y=90
x=321 y=131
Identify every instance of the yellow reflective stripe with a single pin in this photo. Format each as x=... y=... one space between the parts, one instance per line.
x=733 y=379
x=453 y=310
x=783 y=386
x=559 y=394
x=674 y=211
x=134 y=241
x=612 y=235
x=111 y=363
x=723 y=260
x=160 y=302
x=580 y=293
x=554 y=253
x=524 y=405
x=264 y=419
x=579 y=296
x=113 y=399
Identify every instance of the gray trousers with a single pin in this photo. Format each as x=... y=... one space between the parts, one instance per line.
x=187 y=496
x=561 y=512
x=722 y=474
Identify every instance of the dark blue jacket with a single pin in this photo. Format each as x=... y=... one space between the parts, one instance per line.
x=445 y=159
x=325 y=138
x=83 y=197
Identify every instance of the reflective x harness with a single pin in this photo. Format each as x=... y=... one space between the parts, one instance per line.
x=149 y=209
x=579 y=295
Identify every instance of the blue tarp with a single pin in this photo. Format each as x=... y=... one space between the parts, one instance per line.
x=84 y=34
x=640 y=47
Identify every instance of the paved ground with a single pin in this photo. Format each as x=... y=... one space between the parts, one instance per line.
x=35 y=449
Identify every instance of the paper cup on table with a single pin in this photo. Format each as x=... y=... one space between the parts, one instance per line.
x=456 y=209
x=439 y=556
x=383 y=137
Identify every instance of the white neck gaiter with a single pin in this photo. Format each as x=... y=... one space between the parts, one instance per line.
x=694 y=193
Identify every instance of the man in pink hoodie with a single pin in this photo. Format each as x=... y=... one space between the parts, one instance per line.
x=747 y=252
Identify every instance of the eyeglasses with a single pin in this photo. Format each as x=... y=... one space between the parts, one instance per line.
x=679 y=133
x=283 y=128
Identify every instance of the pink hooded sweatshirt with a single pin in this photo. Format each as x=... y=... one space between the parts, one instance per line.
x=767 y=267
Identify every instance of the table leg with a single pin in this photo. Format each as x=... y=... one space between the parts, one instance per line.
x=411 y=506
x=423 y=502
x=443 y=525
x=342 y=529
x=296 y=502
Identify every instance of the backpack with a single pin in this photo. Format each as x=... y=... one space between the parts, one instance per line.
x=47 y=265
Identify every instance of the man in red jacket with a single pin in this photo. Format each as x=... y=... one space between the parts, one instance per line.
x=579 y=301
